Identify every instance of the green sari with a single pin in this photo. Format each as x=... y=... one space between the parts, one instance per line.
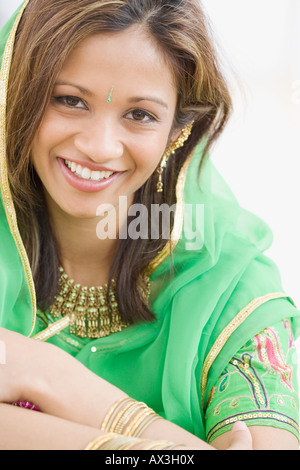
x=216 y=297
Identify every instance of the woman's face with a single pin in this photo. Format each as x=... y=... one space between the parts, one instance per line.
x=108 y=122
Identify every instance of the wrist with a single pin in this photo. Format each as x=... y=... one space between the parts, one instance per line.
x=102 y=399
x=85 y=402
x=129 y=417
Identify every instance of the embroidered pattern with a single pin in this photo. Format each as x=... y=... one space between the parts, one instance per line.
x=269 y=354
x=227 y=332
x=264 y=415
x=258 y=386
x=225 y=382
x=244 y=366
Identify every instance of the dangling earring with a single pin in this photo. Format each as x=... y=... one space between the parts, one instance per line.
x=185 y=133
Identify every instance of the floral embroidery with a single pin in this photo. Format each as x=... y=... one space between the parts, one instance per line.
x=259 y=385
x=225 y=382
x=269 y=354
x=244 y=366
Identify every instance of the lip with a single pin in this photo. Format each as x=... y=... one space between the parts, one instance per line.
x=85 y=185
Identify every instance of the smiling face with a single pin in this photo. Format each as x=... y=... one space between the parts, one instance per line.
x=108 y=122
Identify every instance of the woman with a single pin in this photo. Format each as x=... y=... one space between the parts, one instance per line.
x=106 y=105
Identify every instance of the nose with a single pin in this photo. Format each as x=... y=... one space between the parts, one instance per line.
x=99 y=140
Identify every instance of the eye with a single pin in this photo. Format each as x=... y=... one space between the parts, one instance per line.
x=70 y=101
x=141 y=116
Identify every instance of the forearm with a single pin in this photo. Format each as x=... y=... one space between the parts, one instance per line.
x=73 y=405
x=163 y=429
x=91 y=410
x=30 y=430
x=89 y=405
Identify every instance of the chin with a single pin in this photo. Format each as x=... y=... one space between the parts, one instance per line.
x=80 y=213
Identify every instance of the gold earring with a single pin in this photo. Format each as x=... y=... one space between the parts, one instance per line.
x=185 y=133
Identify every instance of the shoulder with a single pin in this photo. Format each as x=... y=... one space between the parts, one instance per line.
x=259 y=385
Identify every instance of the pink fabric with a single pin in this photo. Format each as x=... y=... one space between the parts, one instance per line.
x=26 y=404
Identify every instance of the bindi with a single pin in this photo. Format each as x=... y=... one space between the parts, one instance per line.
x=110 y=95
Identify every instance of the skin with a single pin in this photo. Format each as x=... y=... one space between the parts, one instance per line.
x=71 y=415
x=119 y=135
x=126 y=135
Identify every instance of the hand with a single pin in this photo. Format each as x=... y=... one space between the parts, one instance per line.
x=53 y=380
x=240 y=437
x=61 y=386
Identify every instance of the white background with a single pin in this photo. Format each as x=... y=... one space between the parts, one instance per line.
x=258 y=155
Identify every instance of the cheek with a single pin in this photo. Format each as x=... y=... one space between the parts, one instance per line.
x=148 y=155
x=51 y=131
x=42 y=140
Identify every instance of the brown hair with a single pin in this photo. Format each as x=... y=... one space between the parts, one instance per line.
x=48 y=32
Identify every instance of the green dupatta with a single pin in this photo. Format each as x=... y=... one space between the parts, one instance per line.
x=218 y=297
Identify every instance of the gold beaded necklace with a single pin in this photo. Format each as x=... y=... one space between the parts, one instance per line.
x=87 y=308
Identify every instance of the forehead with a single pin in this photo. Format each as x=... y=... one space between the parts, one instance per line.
x=128 y=59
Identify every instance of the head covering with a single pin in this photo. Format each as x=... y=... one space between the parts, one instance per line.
x=209 y=297
x=15 y=273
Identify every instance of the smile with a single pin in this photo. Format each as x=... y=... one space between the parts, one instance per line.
x=86 y=180
x=86 y=173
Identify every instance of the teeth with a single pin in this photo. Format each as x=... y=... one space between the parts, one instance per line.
x=96 y=175
x=86 y=173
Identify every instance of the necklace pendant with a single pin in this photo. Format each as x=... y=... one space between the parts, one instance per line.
x=90 y=313
x=80 y=321
x=93 y=324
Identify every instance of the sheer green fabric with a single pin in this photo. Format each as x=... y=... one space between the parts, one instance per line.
x=173 y=363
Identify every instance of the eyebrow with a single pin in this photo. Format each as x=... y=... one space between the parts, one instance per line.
x=134 y=99
x=80 y=88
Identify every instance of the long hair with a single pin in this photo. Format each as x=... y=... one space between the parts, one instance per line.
x=47 y=34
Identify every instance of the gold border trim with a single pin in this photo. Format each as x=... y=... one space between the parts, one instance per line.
x=4 y=184
x=228 y=331
x=248 y=416
x=53 y=329
x=178 y=222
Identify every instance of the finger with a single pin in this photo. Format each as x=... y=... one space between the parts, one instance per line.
x=241 y=438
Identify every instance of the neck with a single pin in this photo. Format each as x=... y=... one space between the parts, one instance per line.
x=85 y=258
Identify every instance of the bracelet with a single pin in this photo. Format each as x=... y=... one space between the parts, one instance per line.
x=123 y=417
x=128 y=417
x=112 y=411
x=121 y=443
x=114 y=441
x=97 y=443
x=141 y=422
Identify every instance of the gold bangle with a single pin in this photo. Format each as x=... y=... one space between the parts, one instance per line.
x=128 y=417
x=123 y=417
x=119 y=443
x=97 y=443
x=139 y=421
x=113 y=441
x=144 y=425
x=112 y=411
x=160 y=445
x=137 y=441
